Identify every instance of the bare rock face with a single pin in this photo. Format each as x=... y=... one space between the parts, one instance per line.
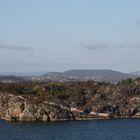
x=28 y=113
x=18 y=108
x=15 y=108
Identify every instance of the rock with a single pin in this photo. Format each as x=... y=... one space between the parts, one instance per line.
x=108 y=102
x=16 y=107
x=137 y=115
x=28 y=113
x=133 y=111
x=45 y=118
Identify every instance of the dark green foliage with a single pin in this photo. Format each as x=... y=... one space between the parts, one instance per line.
x=81 y=91
x=126 y=82
x=94 y=91
x=17 y=88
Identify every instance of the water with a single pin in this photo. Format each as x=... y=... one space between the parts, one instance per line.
x=76 y=130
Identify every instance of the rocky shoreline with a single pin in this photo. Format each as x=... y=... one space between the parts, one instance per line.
x=107 y=102
x=17 y=108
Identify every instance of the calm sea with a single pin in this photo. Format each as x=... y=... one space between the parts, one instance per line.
x=74 y=130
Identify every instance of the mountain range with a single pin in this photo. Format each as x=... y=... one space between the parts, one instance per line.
x=136 y=73
x=78 y=75
x=96 y=75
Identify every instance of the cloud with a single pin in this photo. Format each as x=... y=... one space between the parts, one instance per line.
x=102 y=46
x=135 y=45
x=94 y=46
x=16 y=47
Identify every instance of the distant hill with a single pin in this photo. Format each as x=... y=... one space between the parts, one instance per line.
x=56 y=76
x=11 y=78
x=22 y=74
x=75 y=75
x=136 y=73
x=97 y=75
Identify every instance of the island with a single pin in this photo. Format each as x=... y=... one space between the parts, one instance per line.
x=67 y=101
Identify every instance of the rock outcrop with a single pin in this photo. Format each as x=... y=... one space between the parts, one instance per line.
x=108 y=101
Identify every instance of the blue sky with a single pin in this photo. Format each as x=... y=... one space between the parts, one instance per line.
x=57 y=35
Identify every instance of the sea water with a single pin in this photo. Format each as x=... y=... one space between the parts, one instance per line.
x=125 y=129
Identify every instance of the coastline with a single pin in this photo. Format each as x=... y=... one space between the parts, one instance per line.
x=69 y=101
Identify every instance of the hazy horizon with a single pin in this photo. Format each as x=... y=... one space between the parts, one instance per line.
x=52 y=35
x=39 y=73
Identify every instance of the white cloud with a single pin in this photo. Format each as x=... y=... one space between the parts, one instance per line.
x=132 y=45
x=16 y=47
x=93 y=46
x=102 y=46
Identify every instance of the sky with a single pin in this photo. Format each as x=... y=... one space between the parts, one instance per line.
x=58 y=35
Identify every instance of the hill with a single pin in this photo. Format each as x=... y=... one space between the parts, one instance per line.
x=96 y=75
x=137 y=73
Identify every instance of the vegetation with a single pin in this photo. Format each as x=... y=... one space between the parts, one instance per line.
x=64 y=90
x=122 y=99
x=126 y=82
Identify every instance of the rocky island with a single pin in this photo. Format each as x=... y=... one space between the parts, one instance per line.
x=59 y=101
